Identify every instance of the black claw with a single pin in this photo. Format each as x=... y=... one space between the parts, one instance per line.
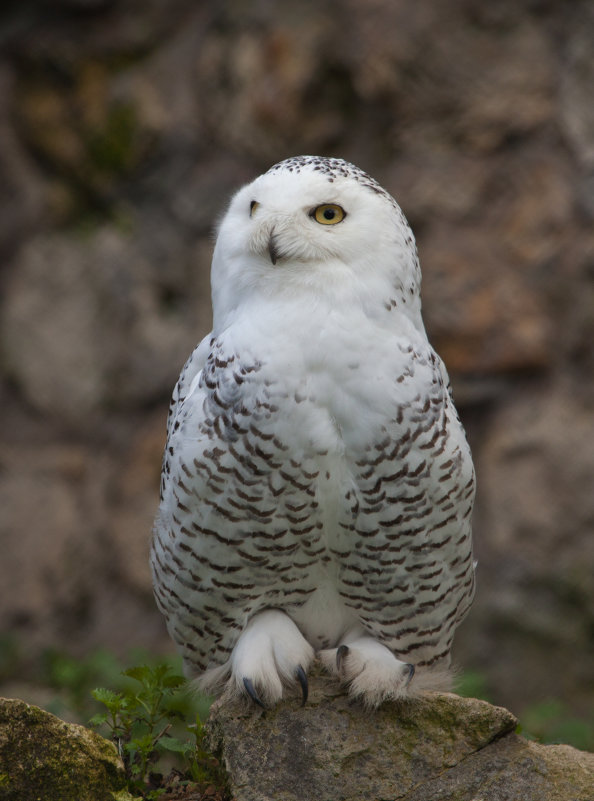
x=249 y=687
x=341 y=653
x=411 y=673
x=302 y=679
x=272 y=250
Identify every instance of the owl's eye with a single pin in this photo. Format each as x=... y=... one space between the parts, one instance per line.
x=253 y=206
x=328 y=214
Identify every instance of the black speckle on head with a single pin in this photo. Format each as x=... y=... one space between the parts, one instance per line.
x=333 y=168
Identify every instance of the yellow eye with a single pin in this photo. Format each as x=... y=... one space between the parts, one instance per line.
x=253 y=206
x=328 y=214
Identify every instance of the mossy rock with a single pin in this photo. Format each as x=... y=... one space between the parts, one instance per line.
x=440 y=746
x=42 y=757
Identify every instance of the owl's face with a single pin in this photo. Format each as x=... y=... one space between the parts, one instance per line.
x=315 y=225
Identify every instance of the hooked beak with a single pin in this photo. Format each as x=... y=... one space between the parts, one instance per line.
x=272 y=248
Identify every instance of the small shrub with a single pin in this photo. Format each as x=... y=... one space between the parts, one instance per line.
x=145 y=724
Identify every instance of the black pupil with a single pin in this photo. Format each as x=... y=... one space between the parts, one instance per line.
x=329 y=214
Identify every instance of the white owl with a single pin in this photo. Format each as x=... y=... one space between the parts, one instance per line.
x=317 y=485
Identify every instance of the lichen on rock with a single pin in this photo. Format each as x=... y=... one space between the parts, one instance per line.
x=42 y=757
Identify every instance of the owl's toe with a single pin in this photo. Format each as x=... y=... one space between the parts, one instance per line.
x=270 y=655
x=369 y=670
x=300 y=676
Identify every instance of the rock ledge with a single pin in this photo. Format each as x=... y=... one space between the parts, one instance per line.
x=441 y=747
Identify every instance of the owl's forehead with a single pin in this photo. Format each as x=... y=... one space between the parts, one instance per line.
x=314 y=174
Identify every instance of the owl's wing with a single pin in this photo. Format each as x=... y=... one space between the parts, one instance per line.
x=188 y=377
x=406 y=550
x=186 y=383
x=235 y=508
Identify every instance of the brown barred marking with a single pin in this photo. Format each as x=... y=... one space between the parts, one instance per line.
x=405 y=601
x=252 y=510
x=224 y=362
x=439 y=657
x=232 y=585
x=364 y=570
x=293 y=481
x=256 y=560
x=362 y=533
x=407 y=534
x=306 y=530
x=276 y=548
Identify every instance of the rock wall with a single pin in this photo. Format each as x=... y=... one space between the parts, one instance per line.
x=124 y=127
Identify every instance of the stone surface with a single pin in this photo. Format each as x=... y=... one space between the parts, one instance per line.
x=23 y=196
x=69 y=573
x=103 y=332
x=441 y=747
x=535 y=474
x=514 y=768
x=43 y=757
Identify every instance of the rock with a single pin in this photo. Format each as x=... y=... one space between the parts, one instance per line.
x=439 y=747
x=514 y=768
x=576 y=112
x=488 y=320
x=535 y=551
x=107 y=329
x=43 y=757
x=88 y=580
x=22 y=199
x=40 y=584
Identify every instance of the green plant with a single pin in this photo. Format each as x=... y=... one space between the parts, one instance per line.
x=551 y=721
x=142 y=722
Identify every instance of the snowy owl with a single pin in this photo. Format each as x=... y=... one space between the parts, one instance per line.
x=317 y=486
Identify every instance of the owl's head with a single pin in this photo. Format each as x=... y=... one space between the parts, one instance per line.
x=321 y=227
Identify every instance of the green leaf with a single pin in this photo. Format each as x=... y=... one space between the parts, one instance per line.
x=176 y=746
x=143 y=743
x=173 y=681
x=140 y=672
x=99 y=719
x=107 y=697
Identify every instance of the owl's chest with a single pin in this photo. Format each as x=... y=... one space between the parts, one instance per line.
x=302 y=411
x=330 y=386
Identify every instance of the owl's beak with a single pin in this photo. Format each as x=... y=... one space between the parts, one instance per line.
x=272 y=250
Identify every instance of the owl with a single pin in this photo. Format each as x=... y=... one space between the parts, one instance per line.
x=317 y=486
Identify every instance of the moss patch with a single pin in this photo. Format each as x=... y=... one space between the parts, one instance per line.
x=44 y=757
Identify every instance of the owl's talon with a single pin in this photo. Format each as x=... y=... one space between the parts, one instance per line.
x=249 y=687
x=341 y=653
x=302 y=679
x=411 y=673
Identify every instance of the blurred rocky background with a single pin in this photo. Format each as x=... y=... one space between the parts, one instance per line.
x=125 y=126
